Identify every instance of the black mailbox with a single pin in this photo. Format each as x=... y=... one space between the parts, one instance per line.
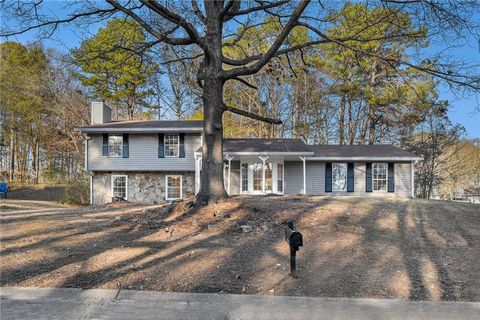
x=293 y=238
x=295 y=241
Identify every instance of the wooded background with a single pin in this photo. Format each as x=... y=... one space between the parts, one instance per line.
x=323 y=94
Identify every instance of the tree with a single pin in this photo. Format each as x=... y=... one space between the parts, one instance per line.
x=114 y=66
x=437 y=141
x=208 y=26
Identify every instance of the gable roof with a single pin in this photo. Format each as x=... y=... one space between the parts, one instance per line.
x=145 y=126
x=361 y=152
x=265 y=146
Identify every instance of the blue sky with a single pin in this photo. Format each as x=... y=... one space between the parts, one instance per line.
x=464 y=107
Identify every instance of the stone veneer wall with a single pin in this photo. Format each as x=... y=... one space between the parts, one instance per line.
x=143 y=187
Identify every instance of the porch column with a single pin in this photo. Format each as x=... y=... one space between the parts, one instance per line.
x=198 y=160
x=264 y=159
x=229 y=158
x=413 y=177
x=304 y=175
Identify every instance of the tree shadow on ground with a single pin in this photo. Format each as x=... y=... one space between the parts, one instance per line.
x=354 y=247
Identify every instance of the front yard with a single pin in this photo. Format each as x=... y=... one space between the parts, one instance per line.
x=354 y=247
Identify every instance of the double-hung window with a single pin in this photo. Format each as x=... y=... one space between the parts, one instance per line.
x=174 y=187
x=339 y=176
x=379 y=176
x=172 y=145
x=119 y=187
x=115 y=145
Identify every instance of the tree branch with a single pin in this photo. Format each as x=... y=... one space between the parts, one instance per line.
x=251 y=115
x=175 y=18
x=198 y=12
x=162 y=37
x=245 y=82
x=292 y=22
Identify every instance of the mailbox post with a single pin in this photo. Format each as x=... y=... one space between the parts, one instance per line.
x=295 y=241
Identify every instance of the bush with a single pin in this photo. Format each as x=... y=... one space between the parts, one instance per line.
x=77 y=191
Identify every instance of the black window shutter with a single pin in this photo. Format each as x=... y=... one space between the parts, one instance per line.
x=181 y=138
x=125 y=145
x=368 y=177
x=350 y=177
x=328 y=177
x=161 y=147
x=105 y=145
x=391 y=177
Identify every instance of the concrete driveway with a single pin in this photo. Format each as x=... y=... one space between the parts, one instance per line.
x=67 y=303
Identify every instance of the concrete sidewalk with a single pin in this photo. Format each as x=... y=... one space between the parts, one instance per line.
x=66 y=303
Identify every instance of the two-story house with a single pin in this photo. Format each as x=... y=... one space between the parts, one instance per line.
x=155 y=161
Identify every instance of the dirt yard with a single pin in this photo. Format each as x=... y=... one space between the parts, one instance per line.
x=354 y=247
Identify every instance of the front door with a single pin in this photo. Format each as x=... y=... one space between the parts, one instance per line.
x=252 y=178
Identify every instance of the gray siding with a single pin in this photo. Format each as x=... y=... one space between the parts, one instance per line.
x=316 y=179
x=143 y=155
x=403 y=179
x=293 y=177
x=235 y=178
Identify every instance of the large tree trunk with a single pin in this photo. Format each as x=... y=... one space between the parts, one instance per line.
x=212 y=188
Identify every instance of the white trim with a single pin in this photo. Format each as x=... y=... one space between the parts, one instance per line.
x=198 y=164
x=412 y=164
x=264 y=160
x=386 y=178
x=269 y=153
x=108 y=146
x=304 y=174
x=229 y=159
x=166 y=186
x=126 y=184
x=91 y=189
x=178 y=145
x=365 y=158
x=86 y=154
x=143 y=130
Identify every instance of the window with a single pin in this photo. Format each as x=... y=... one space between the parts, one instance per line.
x=172 y=145
x=115 y=145
x=244 y=176
x=174 y=187
x=257 y=176
x=379 y=176
x=268 y=176
x=339 y=176
x=119 y=187
x=280 y=177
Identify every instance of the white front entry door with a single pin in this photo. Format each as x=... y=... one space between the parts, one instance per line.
x=252 y=178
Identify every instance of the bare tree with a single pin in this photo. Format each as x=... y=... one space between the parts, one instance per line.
x=208 y=27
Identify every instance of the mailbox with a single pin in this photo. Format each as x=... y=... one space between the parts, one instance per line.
x=295 y=241
x=293 y=237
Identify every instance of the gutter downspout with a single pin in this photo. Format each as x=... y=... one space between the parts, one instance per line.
x=88 y=138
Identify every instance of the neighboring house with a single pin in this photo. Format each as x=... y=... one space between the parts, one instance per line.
x=153 y=161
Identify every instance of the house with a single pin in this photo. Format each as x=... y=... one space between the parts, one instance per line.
x=153 y=161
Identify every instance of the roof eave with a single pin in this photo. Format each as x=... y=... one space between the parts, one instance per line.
x=386 y=158
x=137 y=130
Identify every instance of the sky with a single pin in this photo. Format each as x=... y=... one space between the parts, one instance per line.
x=464 y=107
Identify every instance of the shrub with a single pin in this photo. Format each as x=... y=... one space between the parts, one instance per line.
x=77 y=190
